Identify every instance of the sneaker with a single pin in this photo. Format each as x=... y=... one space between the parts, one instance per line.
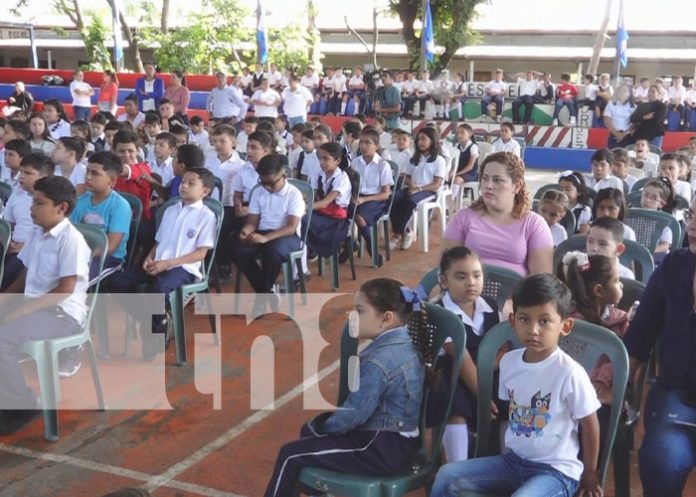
x=14 y=420
x=395 y=243
x=555 y=122
x=274 y=299
x=69 y=362
x=407 y=241
x=572 y=121
x=312 y=256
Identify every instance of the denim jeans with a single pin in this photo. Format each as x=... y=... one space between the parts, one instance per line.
x=506 y=474
x=296 y=120
x=668 y=452
x=487 y=99
x=657 y=141
x=82 y=113
x=570 y=103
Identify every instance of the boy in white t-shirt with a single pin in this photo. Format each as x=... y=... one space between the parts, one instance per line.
x=550 y=397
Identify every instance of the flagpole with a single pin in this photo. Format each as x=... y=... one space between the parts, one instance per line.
x=424 y=62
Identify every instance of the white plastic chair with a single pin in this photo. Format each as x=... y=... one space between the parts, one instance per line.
x=439 y=202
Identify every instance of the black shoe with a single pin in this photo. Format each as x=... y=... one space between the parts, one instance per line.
x=343 y=256
x=312 y=256
x=380 y=261
x=13 y=421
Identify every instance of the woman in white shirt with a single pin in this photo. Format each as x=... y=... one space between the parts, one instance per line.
x=617 y=117
x=81 y=96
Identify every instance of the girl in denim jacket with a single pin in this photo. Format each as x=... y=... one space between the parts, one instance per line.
x=373 y=432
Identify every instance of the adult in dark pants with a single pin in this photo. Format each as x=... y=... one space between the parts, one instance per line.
x=666 y=314
x=648 y=119
x=387 y=101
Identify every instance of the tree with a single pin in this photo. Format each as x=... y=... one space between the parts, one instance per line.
x=313 y=36
x=288 y=46
x=599 y=41
x=451 y=23
x=95 y=45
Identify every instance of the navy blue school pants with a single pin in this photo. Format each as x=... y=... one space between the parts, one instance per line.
x=166 y=282
x=262 y=277
x=13 y=268
x=109 y=263
x=402 y=208
x=39 y=325
x=326 y=234
x=365 y=453
x=229 y=235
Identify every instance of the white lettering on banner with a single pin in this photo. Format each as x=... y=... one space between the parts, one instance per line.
x=580 y=137
x=585 y=117
x=477 y=89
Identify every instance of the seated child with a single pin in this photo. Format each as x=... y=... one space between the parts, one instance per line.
x=52 y=300
x=506 y=143
x=308 y=160
x=131 y=114
x=180 y=132
x=539 y=377
x=610 y=202
x=467 y=166
x=165 y=145
x=377 y=181
x=670 y=167
x=606 y=237
x=198 y=134
x=80 y=131
x=619 y=167
x=67 y=155
x=350 y=138
x=404 y=151
x=110 y=130
x=97 y=124
x=329 y=223
x=658 y=195
x=427 y=174
x=259 y=146
x=553 y=207
x=601 y=172
x=15 y=151
x=372 y=433
x=152 y=128
x=186 y=157
x=572 y=183
x=461 y=277
x=106 y=209
x=295 y=148
x=183 y=238
x=272 y=229
x=248 y=127
x=18 y=211
x=40 y=137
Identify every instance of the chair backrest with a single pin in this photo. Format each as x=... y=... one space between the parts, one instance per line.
x=640 y=184
x=484 y=147
x=543 y=189
x=96 y=239
x=136 y=215
x=5 y=237
x=430 y=280
x=5 y=192
x=444 y=324
x=217 y=181
x=649 y=224
x=586 y=343
x=632 y=292
x=633 y=198
x=395 y=176
x=308 y=194
x=569 y=223
x=636 y=173
x=634 y=253
x=681 y=203
x=216 y=207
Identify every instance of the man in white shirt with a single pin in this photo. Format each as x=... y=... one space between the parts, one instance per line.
x=225 y=102
x=356 y=88
x=495 y=92
x=528 y=83
x=296 y=102
x=266 y=102
x=327 y=90
x=274 y=77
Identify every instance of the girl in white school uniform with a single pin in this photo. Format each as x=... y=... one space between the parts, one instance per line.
x=40 y=136
x=427 y=172
x=329 y=223
x=58 y=124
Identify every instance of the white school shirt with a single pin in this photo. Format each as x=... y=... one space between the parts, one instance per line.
x=683 y=189
x=44 y=146
x=310 y=165
x=339 y=181
x=608 y=182
x=327 y=83
x=630 y=180
x=558 y=233
x=356 y=81
x=77 y=177
x=164 y=169
x=245 y=180
x=528 y=87
x=202 y=139
x=80 y=100
x=620 y=114
x=591 y=92
x=425 y=172
x=585 y=216
x=246 y=80
x=295 y=102
x=294 y=156
x=310 y=82
x=690 y=97
x=512 y=146
x=136 y=122
x=640 y=94
x=242 y=139
x=624 y=272
x=676 y=96
x=59 y=129
x=339 y=83
x=402 y=159
x=273 y=209
x=274 y=77
x=426 y=86
x=18 y=212
x=269 y=107
x=410 y=86
x=226 y=102
x=185 y=228
x=375 y=175
x=498 y=86
x=226 y=171
x=55 y=254
x=385 y=139
x=663 y=95
x=481 y=308
x=547 y=399
x=7 y=177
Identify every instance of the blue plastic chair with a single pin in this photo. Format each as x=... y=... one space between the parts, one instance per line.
x=5 y=238
x=649 y=224
x=45 y=352
x=424 y=465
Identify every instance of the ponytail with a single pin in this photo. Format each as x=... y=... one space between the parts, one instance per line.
x=581 y=273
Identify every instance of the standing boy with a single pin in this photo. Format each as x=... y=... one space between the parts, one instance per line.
x=54 y=287
x=539 y=377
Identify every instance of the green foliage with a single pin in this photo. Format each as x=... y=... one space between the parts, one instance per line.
x=95 y=45
x=288 y=46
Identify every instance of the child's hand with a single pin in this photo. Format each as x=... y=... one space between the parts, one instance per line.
x=14 y=247
x=147 y=264
x=243 y=235
x=256 y=238
x=589 y=485
x=158 y=267
x=359 y=201
x=494 y=409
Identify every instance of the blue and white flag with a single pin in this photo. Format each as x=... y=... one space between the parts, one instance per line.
x=118 y=39
x=428 y=33
x=261 y=39
x=622 y=38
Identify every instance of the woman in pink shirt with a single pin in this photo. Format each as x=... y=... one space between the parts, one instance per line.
x=179 y=95
x=108 y=93
x=500 y=225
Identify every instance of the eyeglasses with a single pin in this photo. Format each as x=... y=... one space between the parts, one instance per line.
x=270 y=184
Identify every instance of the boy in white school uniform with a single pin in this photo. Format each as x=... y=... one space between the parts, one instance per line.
x=161 y=162
x=272 y=230
x=296 y=101
x=52 y=288
x=15 y=151
x=248 y=127
x=198 y=135
x=186 y=233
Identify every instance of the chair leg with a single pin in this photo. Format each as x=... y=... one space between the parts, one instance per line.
x=303 y=283
x=48 y=377
x=176 y=304
x=212 y=317
x=237 y=290
x=95 y=374
x=334 y=271
x=216 y=276
x=102 y=330
x=351 y=259
x=289 y=288
x=374 y=246
x=387 y=249
x=621 y=460
x=422 y=227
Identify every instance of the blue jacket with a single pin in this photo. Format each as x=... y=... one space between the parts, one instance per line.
x=157 y=92
x=391 y=388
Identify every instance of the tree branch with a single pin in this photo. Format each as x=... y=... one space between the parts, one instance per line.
x=375 y=37
x=356 y=34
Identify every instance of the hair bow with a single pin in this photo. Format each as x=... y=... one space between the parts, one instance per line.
x=415 y=297
x=582 y=260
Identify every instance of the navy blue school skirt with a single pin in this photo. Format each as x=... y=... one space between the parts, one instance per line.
x=326 y=234
x=373 y=210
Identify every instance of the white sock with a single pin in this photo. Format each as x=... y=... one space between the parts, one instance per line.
x=343 y=108
x=461 y=111
x=447 y=110
x=438 y=110
x=356 y=106
x=455 y=190
x=456 y=442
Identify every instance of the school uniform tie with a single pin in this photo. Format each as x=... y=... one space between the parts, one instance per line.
x=300 y=161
